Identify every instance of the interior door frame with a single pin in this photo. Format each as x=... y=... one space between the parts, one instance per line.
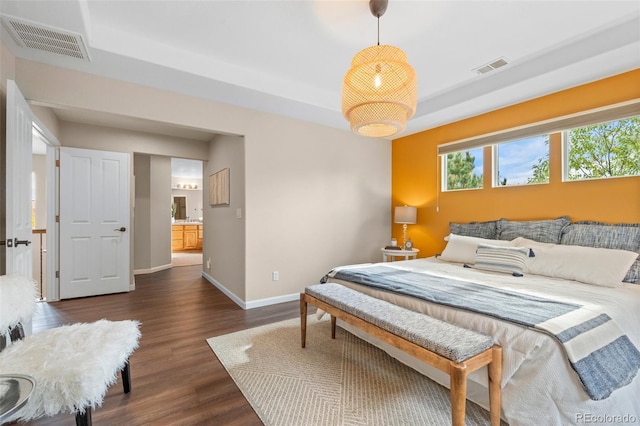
x=53 y=209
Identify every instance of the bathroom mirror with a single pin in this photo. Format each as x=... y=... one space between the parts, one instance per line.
x=181 y=207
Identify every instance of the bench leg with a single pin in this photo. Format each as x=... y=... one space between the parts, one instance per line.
x=495 y=379
x=333 y=327
x=126 y=377
x=84 y=419
x=303 y=320
x=458 y=384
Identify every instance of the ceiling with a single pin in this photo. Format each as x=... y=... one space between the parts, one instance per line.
x=289 y=57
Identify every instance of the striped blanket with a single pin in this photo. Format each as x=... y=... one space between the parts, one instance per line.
x=590 y=338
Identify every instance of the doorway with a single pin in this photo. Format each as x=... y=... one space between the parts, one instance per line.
x=187 y=228
x=39 y=212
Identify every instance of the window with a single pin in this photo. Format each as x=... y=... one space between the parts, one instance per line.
x=603 y=150
x=521 y=155
x=521 y=162
x=463 y=170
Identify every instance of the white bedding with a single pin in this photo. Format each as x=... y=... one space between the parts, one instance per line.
x=539 y=386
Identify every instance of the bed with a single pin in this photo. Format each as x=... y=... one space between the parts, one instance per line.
x=585 y=264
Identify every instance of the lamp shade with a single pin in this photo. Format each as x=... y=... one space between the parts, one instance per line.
x=405 y=214
x=379 y=92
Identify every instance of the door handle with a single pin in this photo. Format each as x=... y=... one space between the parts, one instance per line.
x=121 y=229
x=17 y=242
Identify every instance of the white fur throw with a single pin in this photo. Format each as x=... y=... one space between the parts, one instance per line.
x=72 y=365
x=17 y=300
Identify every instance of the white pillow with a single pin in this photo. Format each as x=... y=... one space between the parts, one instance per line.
x=597 y=266
x=463 y=249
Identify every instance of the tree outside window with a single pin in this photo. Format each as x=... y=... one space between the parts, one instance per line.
x=604 y=150
x=598 y=151
x=463 y=170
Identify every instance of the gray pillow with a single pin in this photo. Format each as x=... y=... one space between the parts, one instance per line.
x=621 y=236
x=545 y=231
x=485 y=230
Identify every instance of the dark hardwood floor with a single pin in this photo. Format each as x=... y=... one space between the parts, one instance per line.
x=176 y=378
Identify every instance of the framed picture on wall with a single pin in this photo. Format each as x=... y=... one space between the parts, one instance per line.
x=219 y=188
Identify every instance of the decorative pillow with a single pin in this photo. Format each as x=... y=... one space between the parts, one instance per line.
x=546 y=231
x=510 y=260
x=590 y=265
x=622 y=236
x=463 y=249
x=475 y=229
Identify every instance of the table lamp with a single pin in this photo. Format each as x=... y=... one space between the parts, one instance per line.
x=407 y=216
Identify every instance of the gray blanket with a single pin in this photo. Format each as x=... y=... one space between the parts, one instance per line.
x=579 y=328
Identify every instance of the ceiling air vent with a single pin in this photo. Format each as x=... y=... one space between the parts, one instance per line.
x=500 y=62
x=49 y=39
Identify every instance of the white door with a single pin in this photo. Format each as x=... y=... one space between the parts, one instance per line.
x=19 y=255
x=94 y=222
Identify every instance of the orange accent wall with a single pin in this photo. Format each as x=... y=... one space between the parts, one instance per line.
x=415 y=170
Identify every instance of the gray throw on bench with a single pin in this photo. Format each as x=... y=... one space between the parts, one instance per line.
x=448 y=340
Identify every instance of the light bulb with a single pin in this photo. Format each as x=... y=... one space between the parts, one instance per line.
x=377 y=80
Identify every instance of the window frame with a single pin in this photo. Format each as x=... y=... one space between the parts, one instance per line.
x=495 y=163
x=565 y=154
x=444 y=170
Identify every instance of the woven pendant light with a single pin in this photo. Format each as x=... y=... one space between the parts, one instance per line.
x=379 y=93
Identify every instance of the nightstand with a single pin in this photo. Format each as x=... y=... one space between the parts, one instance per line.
x=390 y=255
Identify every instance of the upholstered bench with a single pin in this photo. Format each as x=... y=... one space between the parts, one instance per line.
x=452 y=349
x=72 y=365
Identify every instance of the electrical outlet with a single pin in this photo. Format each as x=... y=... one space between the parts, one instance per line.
x=209 y=263
x=275 y=276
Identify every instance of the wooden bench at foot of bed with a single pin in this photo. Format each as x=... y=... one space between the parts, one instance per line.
x=452 y=349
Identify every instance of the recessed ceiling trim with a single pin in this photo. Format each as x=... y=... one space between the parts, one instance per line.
x=38 y=36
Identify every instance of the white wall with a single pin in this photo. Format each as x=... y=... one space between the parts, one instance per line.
x=47 y=117
x=315 y=197
x=160 y=212
x=121 y=140
x=141 y=212
x=225 y=236
x=152 y=218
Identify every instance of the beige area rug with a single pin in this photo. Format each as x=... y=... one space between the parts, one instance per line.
x=186 y=258
x=345 y=381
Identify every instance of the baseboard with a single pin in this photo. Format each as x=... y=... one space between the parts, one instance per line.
x=272 y=300
x=225 y=290
x=151 y=270
x=254 y=303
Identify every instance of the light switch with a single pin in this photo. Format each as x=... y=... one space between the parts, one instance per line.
x=239 y=213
